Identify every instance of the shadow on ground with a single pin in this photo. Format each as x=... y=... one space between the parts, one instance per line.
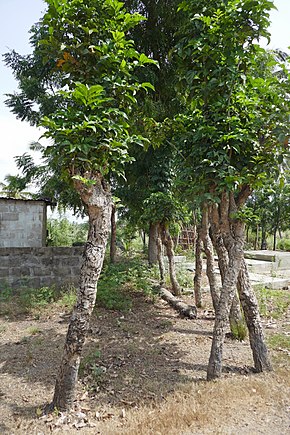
x=129 y=358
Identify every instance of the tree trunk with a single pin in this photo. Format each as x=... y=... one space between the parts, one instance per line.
x=113 y=246
x=233 y=236
x=198 y=268
x=247 y=233
x=98 y=201
x=251 y=311
x=256 y=242
x=143 y=236
x=277 y=224
x=168 y=243
x=210 y=266
x=275 y=239
x=237 y=324
x=218 y=242
x=160 y=261
x=152 y=244
x=264 y=238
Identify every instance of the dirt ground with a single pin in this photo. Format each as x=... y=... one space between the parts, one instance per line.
x=143 y=372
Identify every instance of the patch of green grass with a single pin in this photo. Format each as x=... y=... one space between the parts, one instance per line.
x=284 y=244
x=89 y=361
x=25 y=300
x=5 y=292
x=37 y=298
x=68 y=297
x=185 y=278
x=118 y=281
x=239 y=330
x=33 y=330
x=280 y=340
x=273 y=303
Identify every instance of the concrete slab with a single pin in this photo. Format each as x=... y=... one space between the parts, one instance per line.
x=281 y=259
x=274 y=283
x=261 y=272
x=259 y=266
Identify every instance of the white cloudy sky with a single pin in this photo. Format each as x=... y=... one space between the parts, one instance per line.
x=16 y=18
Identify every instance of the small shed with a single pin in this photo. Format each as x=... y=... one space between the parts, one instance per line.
x=22 y=223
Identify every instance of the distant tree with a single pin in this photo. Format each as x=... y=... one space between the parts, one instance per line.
x=63 y=232
x=271 y=207
x=15 y=187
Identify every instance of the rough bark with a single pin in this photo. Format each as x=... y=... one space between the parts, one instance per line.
x=143 y=236
x=233 y=236
x=182 y=307
x=276 y=228
x=263 y=238
x=168 y=243
x=237 y=324
x=160 y=261
x=251 y=311
x=98 y=201
x=198 y=268
x=113 y=246
x=152 y=244
x=218 y=242
x=210 y=266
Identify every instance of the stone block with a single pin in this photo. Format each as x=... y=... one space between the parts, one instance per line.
x=39 y=271
x=47 y=281
x=10 y=216
x=4 y=272
x=4 y=261
x=67 y=261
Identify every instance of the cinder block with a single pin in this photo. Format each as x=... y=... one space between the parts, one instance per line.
x=10 y=216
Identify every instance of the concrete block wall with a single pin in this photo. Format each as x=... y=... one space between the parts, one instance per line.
x=40 y=267
x=22 y=223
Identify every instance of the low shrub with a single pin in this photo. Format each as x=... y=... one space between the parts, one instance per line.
x=283 y=245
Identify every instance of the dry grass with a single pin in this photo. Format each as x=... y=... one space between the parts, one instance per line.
x=248 y=404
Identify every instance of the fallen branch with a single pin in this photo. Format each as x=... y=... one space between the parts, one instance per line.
x=179 y=305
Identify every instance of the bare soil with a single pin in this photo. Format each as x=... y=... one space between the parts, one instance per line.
x=143 y=372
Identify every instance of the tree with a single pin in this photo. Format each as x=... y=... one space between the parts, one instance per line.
x=62 y=232
x=152 y=170
x=236 y=111
x=89 y=63
x=14 y=187
x=269 y=208
x=165 y=210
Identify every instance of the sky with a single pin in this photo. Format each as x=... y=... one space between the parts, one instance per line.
x=16 y=18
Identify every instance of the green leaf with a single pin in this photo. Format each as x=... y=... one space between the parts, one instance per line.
x=143 y=59
x=147 y=85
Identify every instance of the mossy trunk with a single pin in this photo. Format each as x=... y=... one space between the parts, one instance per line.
x=98 y=201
